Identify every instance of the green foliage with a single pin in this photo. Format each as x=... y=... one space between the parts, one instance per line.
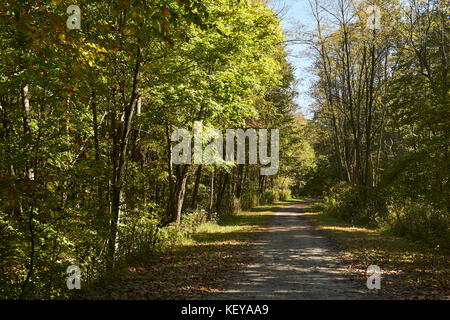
x=400 y=216
x=342 y=202
x=139 y=231
x=382 y=160
x=85 y=119
x=419 y=221
x=284 y=194
x=249 y=200
x=416 y=270
x=172 y=235
x=230 y=205
x=269 y=197
x=191 y=220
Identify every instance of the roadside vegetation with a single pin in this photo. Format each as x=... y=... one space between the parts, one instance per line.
x=87 y=176
x=196 y=265
x=381 y=138
x=409 y=269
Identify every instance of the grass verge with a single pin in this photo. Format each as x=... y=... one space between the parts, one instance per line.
x=196 y=267
x=409 y=270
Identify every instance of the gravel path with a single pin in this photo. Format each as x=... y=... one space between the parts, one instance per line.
x=294 y=261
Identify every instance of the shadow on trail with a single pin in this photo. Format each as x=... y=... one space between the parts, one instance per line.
x=293 y=261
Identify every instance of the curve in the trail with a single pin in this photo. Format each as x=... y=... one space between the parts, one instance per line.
x=293 y=261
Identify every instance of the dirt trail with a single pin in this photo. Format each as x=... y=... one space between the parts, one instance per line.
x=293 y=261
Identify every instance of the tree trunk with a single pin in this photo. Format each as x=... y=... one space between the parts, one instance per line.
x=180 y=192
x=239 y=184
x=222 y=191
x=117 y=181
x=211 y=192
x=198 y=175
x=171 y=191
x=97 y=155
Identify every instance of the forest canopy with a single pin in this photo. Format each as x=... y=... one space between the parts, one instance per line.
x=382 y=110
x=89 y=101
x=86 y=176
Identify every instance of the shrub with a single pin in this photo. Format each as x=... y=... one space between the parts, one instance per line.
x=191 y=220
x=229 y=204
x=268 y=197
x=249 y=195
x=342 y=202
x=139 y=231
x=249 y=200
x=171 y=235
x=392 y=210
x=285 y=194
x=419 y=221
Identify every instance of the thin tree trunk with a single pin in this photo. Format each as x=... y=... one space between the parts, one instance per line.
x=180 y=192
x=171 y=191
x=221 y=193
x=239 y=184
x=198 y=175
x=117 y=185
x=97 y=154
x=211 y=191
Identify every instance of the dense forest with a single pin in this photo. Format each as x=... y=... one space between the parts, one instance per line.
x=382 y=115
x=87 y=115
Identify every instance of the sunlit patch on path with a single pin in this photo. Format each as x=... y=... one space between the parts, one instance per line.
x=293 y=261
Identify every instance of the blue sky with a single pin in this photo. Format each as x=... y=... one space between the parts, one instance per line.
x=298 y=12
